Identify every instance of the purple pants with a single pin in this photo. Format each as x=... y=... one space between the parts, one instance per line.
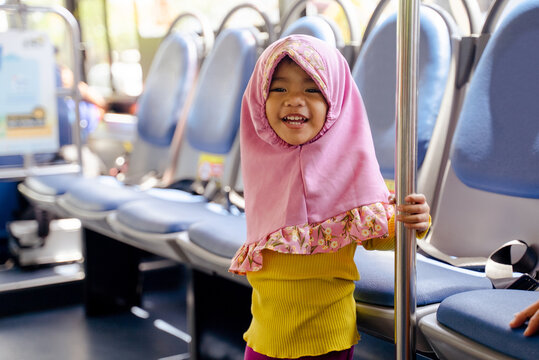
x=250 y=354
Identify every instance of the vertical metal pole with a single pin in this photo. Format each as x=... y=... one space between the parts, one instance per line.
x=407 y=58
x=73 y=25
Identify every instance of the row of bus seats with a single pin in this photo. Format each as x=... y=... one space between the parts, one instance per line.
x=210 y=126
x=488 y=171
x=174 y=69
x=492 y=175
x=205 y=243
x=477 y=161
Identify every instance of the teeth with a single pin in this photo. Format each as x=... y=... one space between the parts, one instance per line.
x=294 y=119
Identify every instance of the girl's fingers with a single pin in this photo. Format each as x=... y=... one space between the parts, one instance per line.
x=414 y=208
x=415 y=199
x=413 y=218
x=532 y=313
x=419 y=227
x=415 y=222
x=533 y=325
x=415 y=213
x=518 y=320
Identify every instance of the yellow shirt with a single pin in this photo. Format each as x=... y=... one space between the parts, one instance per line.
x=303 y=305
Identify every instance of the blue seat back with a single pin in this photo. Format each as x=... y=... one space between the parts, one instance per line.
x=214 y=117
x=167 y=85
x=375 y=75
x=493 y=172
x=162 y=103
x=496 y=145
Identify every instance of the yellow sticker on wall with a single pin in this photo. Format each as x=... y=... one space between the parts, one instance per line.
x=390 y=185
x=210 y=166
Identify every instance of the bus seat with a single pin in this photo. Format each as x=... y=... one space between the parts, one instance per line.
x=475 y=324
x=374 y=292
x=171 y=76
x=211 y=244
x=493 y=169
x=375 y=75
x=494 y=162
x=211 y=128
x=170 y=79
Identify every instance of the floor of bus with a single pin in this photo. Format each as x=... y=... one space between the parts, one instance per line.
x=49 y=322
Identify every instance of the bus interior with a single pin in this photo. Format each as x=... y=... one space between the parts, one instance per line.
x=121 y=185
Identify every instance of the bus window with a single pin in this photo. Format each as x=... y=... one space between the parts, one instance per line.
x=154 y=17
x=111 y=47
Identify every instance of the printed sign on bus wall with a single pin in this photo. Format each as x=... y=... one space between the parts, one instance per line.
x=210 y=166
x=390 y=185
x=28 y=112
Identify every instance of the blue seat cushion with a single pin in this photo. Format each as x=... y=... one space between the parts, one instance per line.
x=90 y=194
x=433 y=283
x=484 y=316
x=222 y=235
x=160 y=216
x=105 y=193
x=53 y=185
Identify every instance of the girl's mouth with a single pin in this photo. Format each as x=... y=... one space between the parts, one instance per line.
x=294 y=121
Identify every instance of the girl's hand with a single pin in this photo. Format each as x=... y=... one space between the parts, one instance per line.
x=415 y=214
x=531 y=313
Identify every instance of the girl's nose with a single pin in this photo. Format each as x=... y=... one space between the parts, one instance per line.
x=294 y=100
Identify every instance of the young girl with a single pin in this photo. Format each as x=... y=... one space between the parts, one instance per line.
x=313 y=191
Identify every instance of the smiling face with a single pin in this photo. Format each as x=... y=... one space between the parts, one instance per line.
x=295 y=107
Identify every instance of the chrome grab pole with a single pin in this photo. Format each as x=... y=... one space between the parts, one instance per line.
x=406 y=149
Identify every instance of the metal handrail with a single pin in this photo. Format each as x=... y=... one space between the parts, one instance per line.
x=382 y=5
x=406 y=154
x=493 y=16
x=207 y=32
x=267 y=22
x=344 y=4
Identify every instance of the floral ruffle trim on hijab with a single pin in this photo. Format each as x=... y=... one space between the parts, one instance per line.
x=356 y=225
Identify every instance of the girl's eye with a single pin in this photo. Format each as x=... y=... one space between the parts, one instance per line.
x=315 y=90
x=277 y=89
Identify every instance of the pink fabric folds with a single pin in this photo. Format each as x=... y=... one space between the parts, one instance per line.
x=335 y=172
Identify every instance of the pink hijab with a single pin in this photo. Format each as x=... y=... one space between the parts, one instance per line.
x=335 y=172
